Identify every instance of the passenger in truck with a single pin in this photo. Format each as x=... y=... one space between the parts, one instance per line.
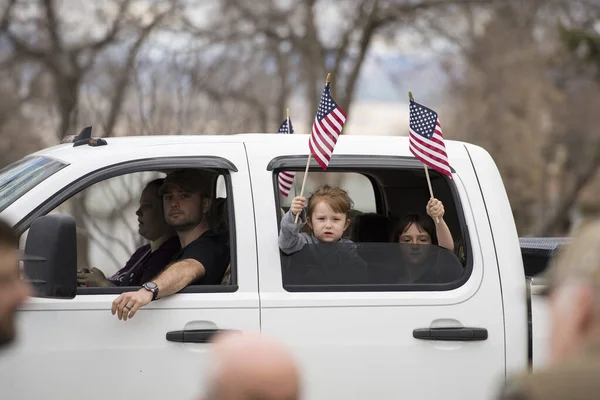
x=418 y=229
x=321 y=255
x=204 y=253
x=424 y=243
x=149 y=260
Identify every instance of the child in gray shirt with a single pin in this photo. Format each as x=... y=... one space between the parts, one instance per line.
x=324 y=256
x=328 y=212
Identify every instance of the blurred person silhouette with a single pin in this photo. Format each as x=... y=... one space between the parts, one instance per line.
x=149 y=260
x=250 y=366
x=13 y=290
x=574 y=299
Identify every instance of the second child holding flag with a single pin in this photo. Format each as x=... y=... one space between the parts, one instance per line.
x=426 y=143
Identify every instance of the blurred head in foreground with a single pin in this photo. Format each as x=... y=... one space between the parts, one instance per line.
x=13 y=290
x=251 y=367
x=574 y=290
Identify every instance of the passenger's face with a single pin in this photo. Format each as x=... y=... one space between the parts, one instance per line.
x=327 y=225
x=150 y=214
x=415 y=235
x=13 y=292
x=183 y=210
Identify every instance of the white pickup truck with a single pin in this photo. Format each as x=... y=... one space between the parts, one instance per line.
x=387 y=334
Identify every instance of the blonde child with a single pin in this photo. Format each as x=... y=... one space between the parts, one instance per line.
x=327 y=217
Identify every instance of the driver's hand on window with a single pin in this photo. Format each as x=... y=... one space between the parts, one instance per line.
x=92 y=277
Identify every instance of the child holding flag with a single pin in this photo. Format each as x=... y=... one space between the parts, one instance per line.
x=416 y=229
x=426 y=143
x=330 y=258
x=327 y=217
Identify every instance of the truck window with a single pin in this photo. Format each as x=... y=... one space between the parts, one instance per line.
x=374 y=254
x=111 y=236
x=107 y=225
x=22 y=176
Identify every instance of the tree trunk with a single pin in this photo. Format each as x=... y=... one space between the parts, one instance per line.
x=559 y=212
x=67 y=90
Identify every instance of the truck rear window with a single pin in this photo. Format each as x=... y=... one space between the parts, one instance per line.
x=23 y=175
x=389 y=243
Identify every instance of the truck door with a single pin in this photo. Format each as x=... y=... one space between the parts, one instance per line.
x=390 y=335
x=76 y=348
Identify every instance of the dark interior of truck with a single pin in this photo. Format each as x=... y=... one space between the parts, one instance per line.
x=398 y=192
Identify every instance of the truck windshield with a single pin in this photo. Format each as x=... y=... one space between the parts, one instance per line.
x=21 y=176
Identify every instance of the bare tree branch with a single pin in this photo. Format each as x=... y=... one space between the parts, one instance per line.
x=365 y=41
x=393 y=11
x=52 y=25
x=343 y=46
x=569 y=197
x=110 y=35
x=122 y=81
x=4 y=21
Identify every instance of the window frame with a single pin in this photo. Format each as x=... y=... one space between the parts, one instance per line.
x=222 y=165
x=357 y=164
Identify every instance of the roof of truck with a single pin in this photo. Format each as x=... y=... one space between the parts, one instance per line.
x=68 y=153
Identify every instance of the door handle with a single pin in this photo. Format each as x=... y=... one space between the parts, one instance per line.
x=193 y=335
x=452 y=334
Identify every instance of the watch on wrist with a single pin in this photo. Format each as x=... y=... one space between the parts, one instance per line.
x=151 y=287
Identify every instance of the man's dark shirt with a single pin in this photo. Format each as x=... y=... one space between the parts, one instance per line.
x=144 y=265
x=210 y=250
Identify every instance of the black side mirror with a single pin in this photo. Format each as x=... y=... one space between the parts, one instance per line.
x=51 y=256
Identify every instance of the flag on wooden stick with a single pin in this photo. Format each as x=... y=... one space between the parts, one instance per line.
x=326 y=129
x=286 y=178
x=426 y=141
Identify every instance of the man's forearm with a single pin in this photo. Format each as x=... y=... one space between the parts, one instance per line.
x=178 y=276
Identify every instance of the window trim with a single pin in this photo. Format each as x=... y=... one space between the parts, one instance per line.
x=345 y=161
x=143 y=165
x=357 y=164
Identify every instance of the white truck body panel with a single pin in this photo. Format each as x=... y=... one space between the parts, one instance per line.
x=351 y=345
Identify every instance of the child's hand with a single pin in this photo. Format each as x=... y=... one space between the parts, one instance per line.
x=298 y=204
x=435 y=209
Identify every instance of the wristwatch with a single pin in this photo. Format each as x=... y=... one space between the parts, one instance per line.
x=151 y=287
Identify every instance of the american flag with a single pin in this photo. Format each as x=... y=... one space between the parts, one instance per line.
x=326 y=129
x=426 y=141
x=286 y=178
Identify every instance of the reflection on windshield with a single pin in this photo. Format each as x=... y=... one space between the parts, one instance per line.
x=371 y=263
x=21 y=176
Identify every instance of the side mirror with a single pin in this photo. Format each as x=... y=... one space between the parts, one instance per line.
x=50 y=260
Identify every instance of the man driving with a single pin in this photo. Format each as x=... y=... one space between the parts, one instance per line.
x=204 y=254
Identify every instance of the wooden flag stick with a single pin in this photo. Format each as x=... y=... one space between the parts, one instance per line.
x=437 y=220
x=428 y=180
x=308 y=162
x=287 y=112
